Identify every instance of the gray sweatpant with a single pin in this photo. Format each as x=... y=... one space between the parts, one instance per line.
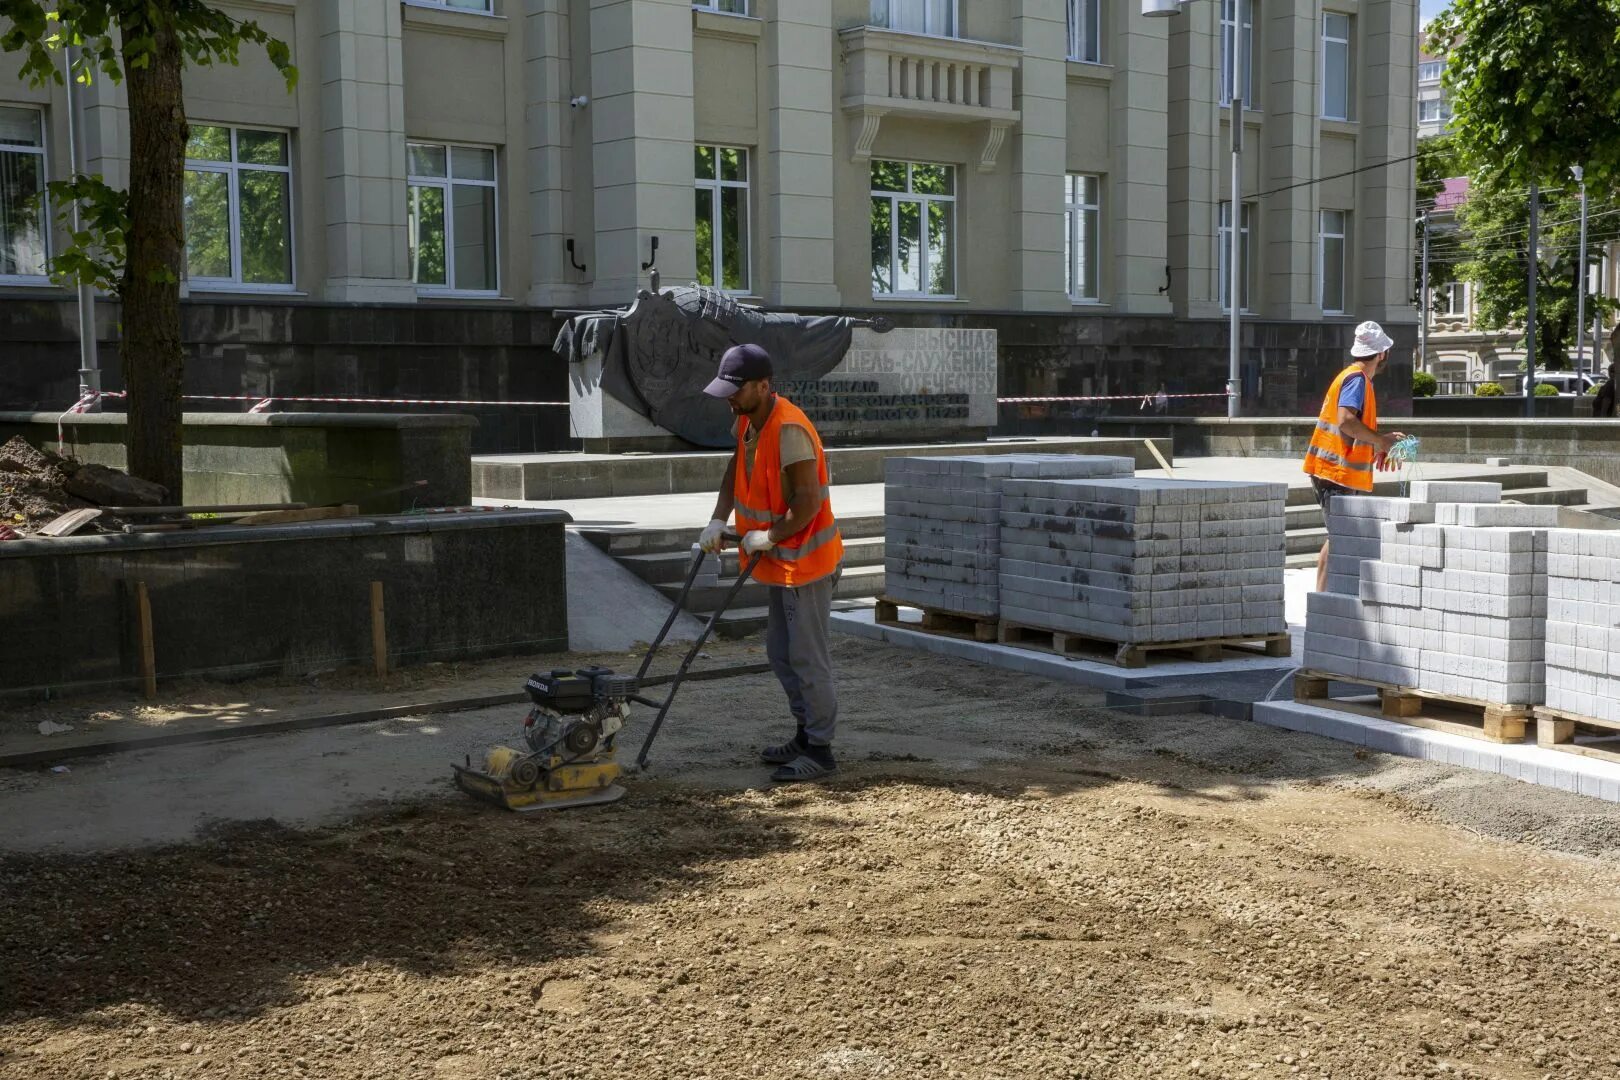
x=799 y=647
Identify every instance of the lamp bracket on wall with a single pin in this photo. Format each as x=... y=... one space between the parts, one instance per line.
x=652 y=262
x=1167 y=282
x=572 y=261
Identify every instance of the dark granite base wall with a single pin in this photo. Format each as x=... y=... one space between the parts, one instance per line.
x=1287 y=366
x=493 y=354
x=317 y=350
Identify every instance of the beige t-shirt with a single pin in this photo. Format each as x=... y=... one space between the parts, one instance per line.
x=795 y=447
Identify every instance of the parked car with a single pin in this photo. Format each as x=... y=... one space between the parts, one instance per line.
x=1569 y=384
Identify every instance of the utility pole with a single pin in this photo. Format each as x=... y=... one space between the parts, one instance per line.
x=1423 y=300
x=1530 y=327
x=89 y=368
x=1234 y=377
x=1580 y=288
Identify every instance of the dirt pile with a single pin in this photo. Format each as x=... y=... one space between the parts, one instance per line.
x=39 y=485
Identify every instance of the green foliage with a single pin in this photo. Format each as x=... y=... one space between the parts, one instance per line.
x=1492 y=253
x=1546 y=390
x=1534 y=86
x=1490 y=389
x=94 y=253
x=1424 y=384
x=1437 y=162
x=112 y=36
x=1592 y=391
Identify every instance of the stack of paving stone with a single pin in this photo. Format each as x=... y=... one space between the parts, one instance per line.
x=942 y=515
x=1583 y=623
x=1142 y=561
x=1452 y=603
x=1355 y=522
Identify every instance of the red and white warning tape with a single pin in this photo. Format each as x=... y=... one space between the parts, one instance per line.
x=1102 y=397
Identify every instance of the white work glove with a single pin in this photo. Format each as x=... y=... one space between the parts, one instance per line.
x=710 y=539
x=758 y=542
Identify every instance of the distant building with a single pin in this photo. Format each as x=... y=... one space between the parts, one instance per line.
x=1433 y=102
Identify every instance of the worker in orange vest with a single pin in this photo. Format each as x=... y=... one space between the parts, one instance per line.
x=1347 y=445
x=777 y=483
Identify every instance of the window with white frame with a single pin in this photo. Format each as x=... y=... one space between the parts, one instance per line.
x=1429 y=71
x=913 y=229
x=1336 y=88
x=722 y=217
x=1331 y=243
x=1455 y=298
x=936 y=17
x=450 y=218
x=1082 y=236
x=1085 y=31
x=1429 y=111
x=238 y=208
x=1244 y=250
x=24 y=220
x=729 y=7
x=485 y=6
x=1228 y=40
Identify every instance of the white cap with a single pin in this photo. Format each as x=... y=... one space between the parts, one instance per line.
x=1371 y=340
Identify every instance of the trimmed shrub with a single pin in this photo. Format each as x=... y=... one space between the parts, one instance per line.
x=1424 y=384
x=1546 y=390
x=1489 y=389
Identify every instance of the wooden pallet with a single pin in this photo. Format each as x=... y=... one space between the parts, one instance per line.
x=1556 y=729
x=1129 y=655
x=1489 y=721
x=939 y=621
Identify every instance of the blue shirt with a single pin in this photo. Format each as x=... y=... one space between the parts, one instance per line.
x=1353 y=393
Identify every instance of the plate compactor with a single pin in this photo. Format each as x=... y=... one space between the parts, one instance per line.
x=572 y=729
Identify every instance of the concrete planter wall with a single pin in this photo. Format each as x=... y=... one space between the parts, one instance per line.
x=1593 y=446
x=238 y=602
x=312 y=458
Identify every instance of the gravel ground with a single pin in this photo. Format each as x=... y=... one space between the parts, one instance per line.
x=1006 y=882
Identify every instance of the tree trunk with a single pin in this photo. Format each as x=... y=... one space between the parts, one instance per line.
x=150 y=349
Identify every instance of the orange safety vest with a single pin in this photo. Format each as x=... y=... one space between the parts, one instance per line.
x=1335 y=456
x=815 y=550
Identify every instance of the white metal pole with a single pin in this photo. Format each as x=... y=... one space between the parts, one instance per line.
x=89 y=367
x=1530 y=323
x=1235 y=271
x=1424 y=301
x=1580 y=287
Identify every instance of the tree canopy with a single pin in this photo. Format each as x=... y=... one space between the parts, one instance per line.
x=1534 y=86
x=1492 y=249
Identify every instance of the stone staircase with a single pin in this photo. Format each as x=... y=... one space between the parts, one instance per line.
x=661 y=557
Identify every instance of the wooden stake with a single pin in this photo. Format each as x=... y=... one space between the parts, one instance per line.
x=143 y=609
x=379 y=630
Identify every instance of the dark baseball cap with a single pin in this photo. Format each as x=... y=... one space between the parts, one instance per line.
x=740 y=364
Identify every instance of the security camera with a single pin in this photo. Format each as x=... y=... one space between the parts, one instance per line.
x=578 y=102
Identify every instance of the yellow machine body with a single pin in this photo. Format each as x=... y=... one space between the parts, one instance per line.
x=521 y=781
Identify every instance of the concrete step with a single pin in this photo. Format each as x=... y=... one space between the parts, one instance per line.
x=620 y=542
x=1305 y=516
x=740 y=622
x=1303 y=541
x=1547 y=496
x=661 y=567
x=857 y=582
x=1301 y=561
